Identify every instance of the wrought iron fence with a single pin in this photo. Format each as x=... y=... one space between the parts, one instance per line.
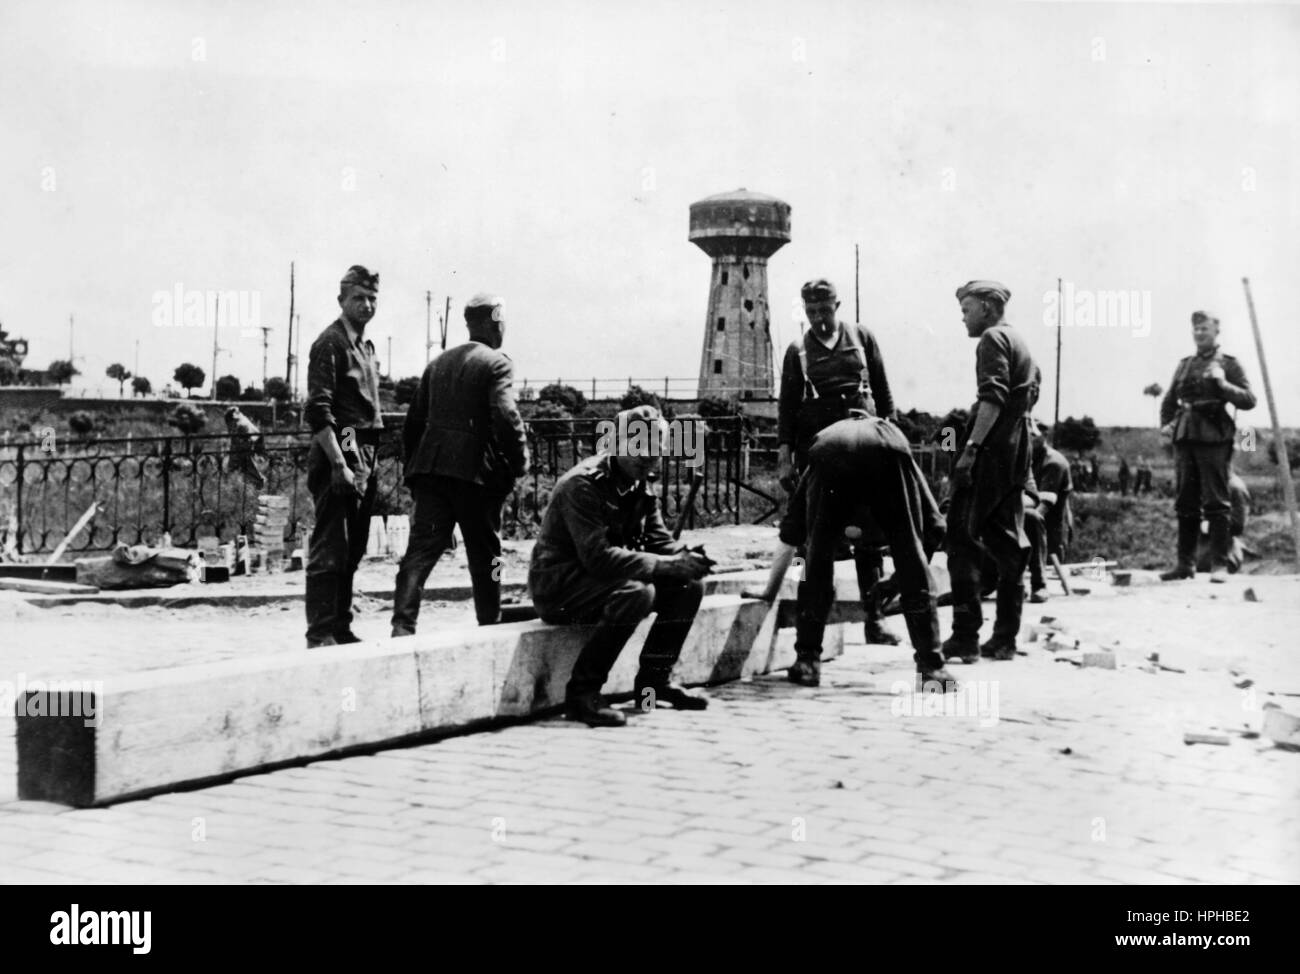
x=186 y=486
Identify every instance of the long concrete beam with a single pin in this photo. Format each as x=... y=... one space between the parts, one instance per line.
x=158 y=730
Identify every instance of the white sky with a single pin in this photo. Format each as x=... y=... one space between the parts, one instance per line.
x=549 y=152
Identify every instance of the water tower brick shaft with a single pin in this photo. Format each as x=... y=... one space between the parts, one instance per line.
x=740 y=231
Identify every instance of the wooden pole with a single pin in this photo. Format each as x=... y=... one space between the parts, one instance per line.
x=1283 y=464
x=288 y=345
x=428 y=325
x=1056 y=412
x=216 y=330
x=857 y=316
x=446 y=320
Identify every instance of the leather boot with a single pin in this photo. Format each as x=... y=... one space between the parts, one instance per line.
x=487 y=598
x=810 y=628
x=592 y=710
x=1189 y=532
x=321 y=601
x=407 y=596
x=1220 y=546
x=923 y=630
x=870 y=589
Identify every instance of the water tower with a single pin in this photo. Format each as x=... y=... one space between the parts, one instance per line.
x=740 y=231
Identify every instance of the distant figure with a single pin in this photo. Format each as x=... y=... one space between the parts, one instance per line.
x=1050 y=523
x=1094 y=473
x=1124 y=477
x=245 y=441
x=1239 y=497
x=1142 y=481
x=1194 y=414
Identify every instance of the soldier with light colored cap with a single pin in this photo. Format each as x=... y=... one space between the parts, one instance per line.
x=987 y=514
x=465 y=444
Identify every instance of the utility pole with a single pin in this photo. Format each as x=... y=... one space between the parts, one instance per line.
x=266 y=344
x=446 y=317
x=216 y=326
x=1056 y=412
x=297 y=360
x=1279 y=441
x=428 y=323
x=389 y=363
x=857 y=316
x=289 y=357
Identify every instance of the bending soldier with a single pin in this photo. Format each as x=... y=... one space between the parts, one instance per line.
x=834 y=368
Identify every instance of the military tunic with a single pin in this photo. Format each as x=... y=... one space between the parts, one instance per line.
x=595 y=561
x=343 y=395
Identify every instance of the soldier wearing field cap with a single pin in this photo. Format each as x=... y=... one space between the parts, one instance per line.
x=1194 y=413
x=833 y=368
x=465 y=444
x=344 y=416
x=605 y=558
x=986 y=515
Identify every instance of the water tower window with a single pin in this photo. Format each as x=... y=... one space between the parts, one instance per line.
x=751 y=325
x=722 y=324
x=725 y=275
x=717 y=366
x=749 y=305
x=744 y=271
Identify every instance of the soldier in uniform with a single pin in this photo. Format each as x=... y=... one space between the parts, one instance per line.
x=1049 y=522
x=245 y=441
x=987 y=514
x=343 y=413
x=861 y=479
x=1194 y=413
x=833 y=368
x=605 y=558
x=465 y=445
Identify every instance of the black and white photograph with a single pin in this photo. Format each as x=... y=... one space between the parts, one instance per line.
x=660 y=443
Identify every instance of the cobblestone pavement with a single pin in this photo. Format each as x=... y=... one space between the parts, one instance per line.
x=1082 y=778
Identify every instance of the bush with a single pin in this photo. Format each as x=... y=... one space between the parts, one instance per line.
x=228 y=387
x=1077 y=435
x=252 y=394
x=567 y=397
x=188 y=419
x=81 y=422
x=278 y=389
x=404 y=390
x=140 y=386
x=558 y=420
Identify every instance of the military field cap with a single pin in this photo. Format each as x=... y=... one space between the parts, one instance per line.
x=360 y=276
x=483 y=300
x=639 y=431
x=818 y=289
x=1199 y=316
x=984 y=289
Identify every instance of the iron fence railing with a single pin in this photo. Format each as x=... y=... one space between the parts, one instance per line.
x=187 y=486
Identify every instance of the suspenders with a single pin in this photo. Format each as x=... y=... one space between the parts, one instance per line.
x=810 y=388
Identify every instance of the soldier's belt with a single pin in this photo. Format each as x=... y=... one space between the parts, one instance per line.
x=366 y=436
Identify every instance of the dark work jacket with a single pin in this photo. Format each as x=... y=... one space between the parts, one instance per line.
x=591 y=530
x=833 y=372
x=1052 y=474
x=1006 y=376
x=1199 y=405
x=342 y=382
x=464 y=422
